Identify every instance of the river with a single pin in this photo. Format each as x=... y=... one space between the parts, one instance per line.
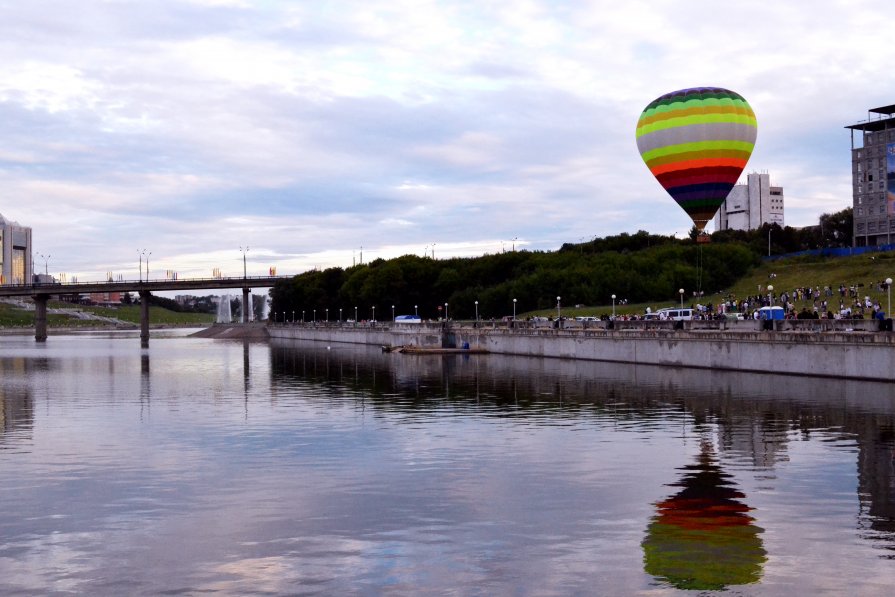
x=203 y=466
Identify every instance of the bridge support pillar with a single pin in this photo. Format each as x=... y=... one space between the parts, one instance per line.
x=144 y=318
x=40 y=317
x=245 y=304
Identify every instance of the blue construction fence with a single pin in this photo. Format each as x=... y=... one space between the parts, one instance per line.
x=835 y=252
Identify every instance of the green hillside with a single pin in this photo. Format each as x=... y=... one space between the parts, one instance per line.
x=12 y=316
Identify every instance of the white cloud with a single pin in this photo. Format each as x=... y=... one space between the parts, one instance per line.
x=196 y=126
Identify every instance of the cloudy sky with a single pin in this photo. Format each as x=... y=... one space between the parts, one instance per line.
x=306 y=130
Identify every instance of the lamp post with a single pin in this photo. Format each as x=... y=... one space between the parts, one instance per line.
x=374 y=314
x=558 y=310
x=46 y=259
x=355 y=316
x=340 y=315
x=613 y=306
x=445 y=312
x=327 y=315
x=514 y=309
x=241 y=250
x=477 y=311
x=681 y=292
x=416 y=312
x=141 y=253
x=889 y=292
x=770 y=294
x=302 y=316
x=393 y=312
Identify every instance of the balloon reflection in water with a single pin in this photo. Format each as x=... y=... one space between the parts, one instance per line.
x=702 y=537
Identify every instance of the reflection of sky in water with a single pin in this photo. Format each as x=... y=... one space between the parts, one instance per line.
x=179 y=469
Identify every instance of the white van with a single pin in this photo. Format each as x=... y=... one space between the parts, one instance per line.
x=672 y=314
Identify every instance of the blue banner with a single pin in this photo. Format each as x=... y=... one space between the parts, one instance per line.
x=890 y=178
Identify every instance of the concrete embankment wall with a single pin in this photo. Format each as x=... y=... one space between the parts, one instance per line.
x=856 y=355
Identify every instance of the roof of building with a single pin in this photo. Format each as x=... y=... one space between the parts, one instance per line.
x=879 y=124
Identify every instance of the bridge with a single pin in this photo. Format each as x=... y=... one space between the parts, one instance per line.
x=41 y=293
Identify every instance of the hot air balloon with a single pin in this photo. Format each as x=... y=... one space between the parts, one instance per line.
x=696 y=143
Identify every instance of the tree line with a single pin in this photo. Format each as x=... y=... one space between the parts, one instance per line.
x=639 y=267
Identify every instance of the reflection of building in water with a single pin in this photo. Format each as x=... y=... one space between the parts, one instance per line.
x=761 y=440
x=16 y=404
x=702 y=537
x=876 y=481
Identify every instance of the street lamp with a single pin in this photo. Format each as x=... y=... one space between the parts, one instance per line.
x=416 y=312
x=46 y=259
x=393 y=312
x=681 y=292
x=514 y=309
x=558 y=310
x=355 y=316
x=613 y=306
x=241 y=250
x=141 y=253
x=302 y=316
x=374 y=313
x=477 y=311
x=770 y=294
x=327 y=315
x=340 y=314
x=314 y=311
x=889 y=292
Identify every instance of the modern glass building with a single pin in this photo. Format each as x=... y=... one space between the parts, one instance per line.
x=15 y=253
x=873 y=177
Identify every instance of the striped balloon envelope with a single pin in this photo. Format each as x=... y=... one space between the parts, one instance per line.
x=696 y=143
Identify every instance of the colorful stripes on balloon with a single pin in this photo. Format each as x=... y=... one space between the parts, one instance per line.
x=697 y=142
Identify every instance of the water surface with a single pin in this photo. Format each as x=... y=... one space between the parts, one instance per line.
x=211 y=467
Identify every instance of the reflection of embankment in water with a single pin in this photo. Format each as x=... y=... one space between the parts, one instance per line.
x=702 y=537
x=754 y=415
x=534 y=379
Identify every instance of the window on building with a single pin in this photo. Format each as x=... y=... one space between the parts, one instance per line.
x=860 y=211
x=869 y=177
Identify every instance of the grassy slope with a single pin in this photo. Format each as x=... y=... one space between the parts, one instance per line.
x=12 y=317
x=789 y=274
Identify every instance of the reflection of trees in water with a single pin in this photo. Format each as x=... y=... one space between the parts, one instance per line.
x=703 y=537
x=755 y=416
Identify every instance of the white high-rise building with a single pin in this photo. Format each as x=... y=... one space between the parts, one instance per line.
x=15 y=253
x=751 y=205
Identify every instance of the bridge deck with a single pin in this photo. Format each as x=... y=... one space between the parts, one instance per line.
x=139 y=286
